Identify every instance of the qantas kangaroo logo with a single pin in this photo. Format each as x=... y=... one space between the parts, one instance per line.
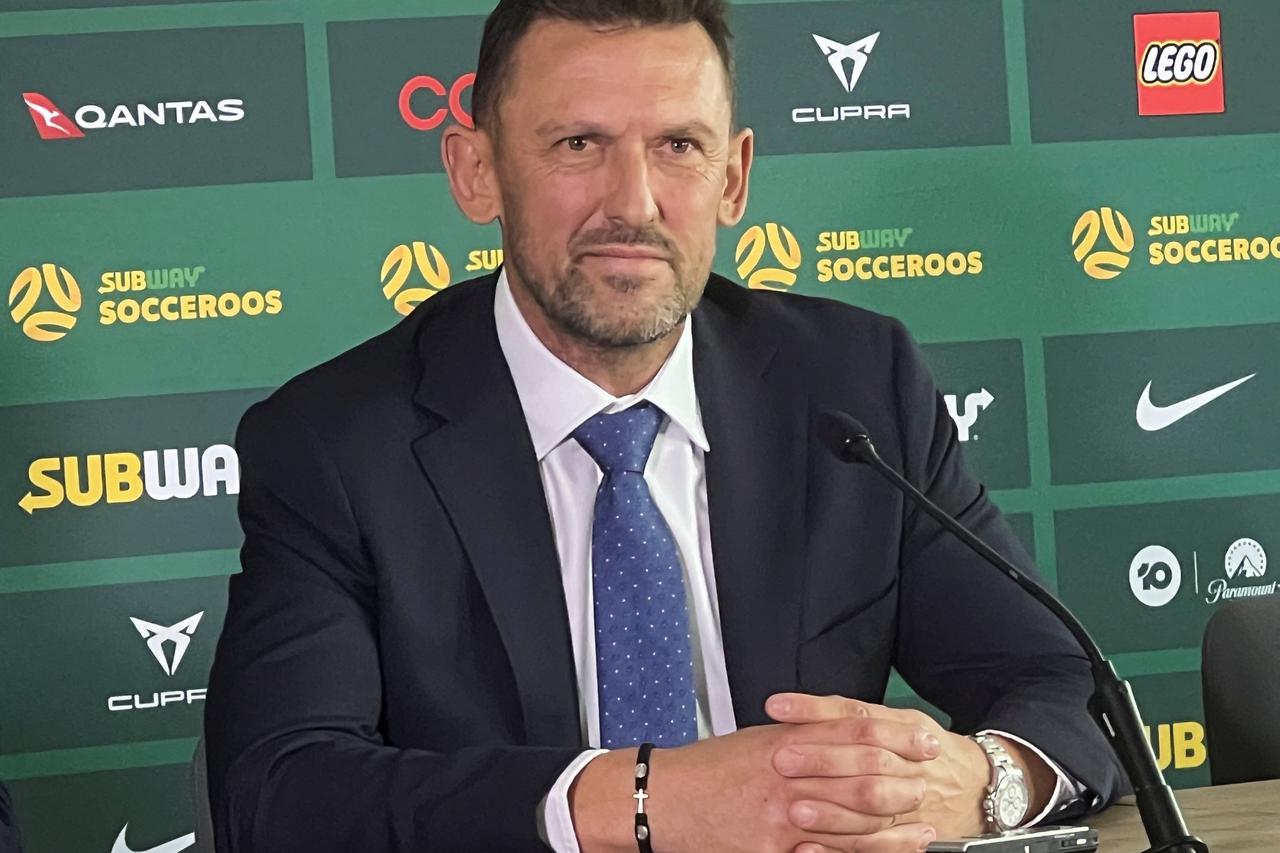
x=51 y=122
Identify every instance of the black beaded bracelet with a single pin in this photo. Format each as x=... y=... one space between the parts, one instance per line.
x=642 y=782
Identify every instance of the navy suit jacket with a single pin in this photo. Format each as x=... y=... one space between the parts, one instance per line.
x=9 y=840
x=396 y=673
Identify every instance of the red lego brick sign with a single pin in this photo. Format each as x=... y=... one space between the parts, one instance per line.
x=1179 y=63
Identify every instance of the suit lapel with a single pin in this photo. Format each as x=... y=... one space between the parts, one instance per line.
x=481 y=463
x=757 y=426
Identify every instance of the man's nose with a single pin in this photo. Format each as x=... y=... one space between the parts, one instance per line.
x=629 y=195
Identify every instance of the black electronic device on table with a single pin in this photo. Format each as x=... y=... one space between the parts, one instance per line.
x=1044 y=839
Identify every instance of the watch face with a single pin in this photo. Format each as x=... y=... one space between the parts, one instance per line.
x=1011 y=805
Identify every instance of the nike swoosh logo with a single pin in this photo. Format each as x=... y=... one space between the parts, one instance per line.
x=1152 y=417
x=177 y=845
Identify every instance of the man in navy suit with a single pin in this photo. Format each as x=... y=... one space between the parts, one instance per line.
x=9 y=840
x=577 y=506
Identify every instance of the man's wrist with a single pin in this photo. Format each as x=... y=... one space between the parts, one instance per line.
x=601 y=803
x=979 y=769
x=1040 y=779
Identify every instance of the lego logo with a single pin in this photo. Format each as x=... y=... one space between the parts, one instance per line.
x=48 y=324
x=401 y=262
x=750 y=252
x=1180 y=63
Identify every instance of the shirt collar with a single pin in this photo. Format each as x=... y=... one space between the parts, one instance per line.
x=557 y=399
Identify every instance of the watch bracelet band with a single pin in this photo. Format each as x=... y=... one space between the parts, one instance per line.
x=641 y=794
x=1000 y=759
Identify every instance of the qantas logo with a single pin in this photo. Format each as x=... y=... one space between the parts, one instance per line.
x=1153 y=418
x=157 y=635
x=52 y=123
x=177 y=845
x=857 y=54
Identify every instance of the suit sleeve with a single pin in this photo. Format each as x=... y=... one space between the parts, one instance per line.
x=969 y=641
x=295 y=753
x=9 y=840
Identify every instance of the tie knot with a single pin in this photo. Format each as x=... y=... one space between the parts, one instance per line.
x=622 y=441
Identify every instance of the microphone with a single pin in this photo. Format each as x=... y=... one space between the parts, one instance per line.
x=1112 y=705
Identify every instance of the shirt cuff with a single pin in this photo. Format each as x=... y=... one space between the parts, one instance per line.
x=555 y=823
x=1066 y=791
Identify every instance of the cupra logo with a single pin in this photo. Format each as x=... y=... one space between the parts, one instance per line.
x=157 y=635
x=856 y=54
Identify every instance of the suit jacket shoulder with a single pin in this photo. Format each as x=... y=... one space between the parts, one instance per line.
x=367 y=387
x=847 y=358
x=818 y=325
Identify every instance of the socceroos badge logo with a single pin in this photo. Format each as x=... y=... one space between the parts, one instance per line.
x=1107 y=262
x=783 y=248
x=401 y=263
x=47 y=324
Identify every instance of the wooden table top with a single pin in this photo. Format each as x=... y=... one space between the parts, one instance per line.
x=1229 y=818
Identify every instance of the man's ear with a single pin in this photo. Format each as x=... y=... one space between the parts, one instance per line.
x=468 y=160
x=734 y=202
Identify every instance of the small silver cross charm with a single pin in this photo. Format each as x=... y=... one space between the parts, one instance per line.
x=640 y=797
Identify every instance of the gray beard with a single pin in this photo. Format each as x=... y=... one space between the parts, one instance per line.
x=568 y=306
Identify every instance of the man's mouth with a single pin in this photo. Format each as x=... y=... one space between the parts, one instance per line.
x=623 y=252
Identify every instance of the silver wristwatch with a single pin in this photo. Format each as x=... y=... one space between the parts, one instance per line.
x=1006 y=801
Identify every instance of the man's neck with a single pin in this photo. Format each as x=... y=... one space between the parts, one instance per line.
x=619 y=370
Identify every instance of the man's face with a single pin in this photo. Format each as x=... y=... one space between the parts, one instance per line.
x=611 y=157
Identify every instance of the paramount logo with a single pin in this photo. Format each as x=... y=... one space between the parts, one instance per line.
x=52 y=123
x=1245 y=560
x=1220 y=590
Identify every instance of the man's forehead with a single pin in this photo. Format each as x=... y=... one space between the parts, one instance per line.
x=560 y=65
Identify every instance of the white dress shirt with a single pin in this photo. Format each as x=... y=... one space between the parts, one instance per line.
x=556 y=400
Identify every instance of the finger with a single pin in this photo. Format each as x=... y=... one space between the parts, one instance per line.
x=882 y=796
x=815 y=847
x=824 y=817
x=909 y=740
x=795 y=761
x=898 y=839
x=806 y=708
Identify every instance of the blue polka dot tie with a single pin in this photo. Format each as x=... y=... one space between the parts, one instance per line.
x=644 y=665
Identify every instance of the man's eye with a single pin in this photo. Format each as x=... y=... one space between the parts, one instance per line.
x=682 y=146
x=576 y=143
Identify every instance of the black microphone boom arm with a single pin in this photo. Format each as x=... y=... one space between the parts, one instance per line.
x=1112 y=705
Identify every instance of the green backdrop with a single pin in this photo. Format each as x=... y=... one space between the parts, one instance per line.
x=199 y=200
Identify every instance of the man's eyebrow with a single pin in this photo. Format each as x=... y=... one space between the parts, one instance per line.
x=559 y=128
x=695 y=128
x=698 y=129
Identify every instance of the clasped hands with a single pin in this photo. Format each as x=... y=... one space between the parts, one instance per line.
x=833 y=775
x=875 y=778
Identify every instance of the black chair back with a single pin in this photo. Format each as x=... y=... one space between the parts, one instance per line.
x=1240 y=670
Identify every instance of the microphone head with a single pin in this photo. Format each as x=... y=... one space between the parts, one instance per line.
x=845 y=436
